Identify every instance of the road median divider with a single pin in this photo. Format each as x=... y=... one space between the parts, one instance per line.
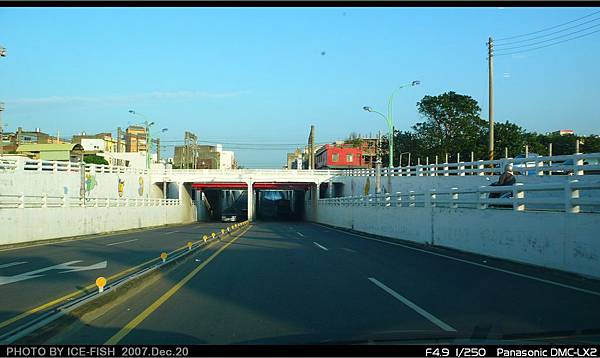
x=102 y=287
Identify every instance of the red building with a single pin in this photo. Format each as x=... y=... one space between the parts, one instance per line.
x=339 y=156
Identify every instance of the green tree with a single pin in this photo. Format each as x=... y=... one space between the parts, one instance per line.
x=354 y=139
x=590 y=144
x=94 y=159
x=509 y=135
x=452 y=125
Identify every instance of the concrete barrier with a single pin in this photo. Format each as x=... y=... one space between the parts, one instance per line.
x=557 y=240
x=32 y=224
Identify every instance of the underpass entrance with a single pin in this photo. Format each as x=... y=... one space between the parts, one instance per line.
x=267 y=201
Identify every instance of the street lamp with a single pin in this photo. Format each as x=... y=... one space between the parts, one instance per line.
x=389 y=119
x=147 y=124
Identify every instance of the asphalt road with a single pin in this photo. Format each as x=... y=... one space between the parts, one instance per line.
x=28 y=279
x=304 y=283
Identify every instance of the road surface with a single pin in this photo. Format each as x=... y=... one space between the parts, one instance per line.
x=306 y=283
x=33 y=277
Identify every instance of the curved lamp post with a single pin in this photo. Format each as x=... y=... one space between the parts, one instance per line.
x=389 y=119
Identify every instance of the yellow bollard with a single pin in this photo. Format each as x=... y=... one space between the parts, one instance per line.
x=189 y=245
x=163 y=256
x=100 y=282
x=204 y=238
x=213 y=235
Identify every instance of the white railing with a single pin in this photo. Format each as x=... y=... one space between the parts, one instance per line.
x=566 y=197
x=577 y=164
x=8 y=201
x=26 y=164
x=248 y=172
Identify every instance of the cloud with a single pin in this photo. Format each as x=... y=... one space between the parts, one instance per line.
x=83 y=100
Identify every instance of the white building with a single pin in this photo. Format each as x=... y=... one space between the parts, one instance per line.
x=91 y=144
x=227 y=159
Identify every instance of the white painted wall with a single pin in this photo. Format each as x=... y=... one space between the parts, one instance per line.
x=93 y=144
x=226 y=159
x=32 y=224
x=563 y=241
x=59 y=183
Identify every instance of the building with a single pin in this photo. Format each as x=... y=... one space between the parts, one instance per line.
x=67 y=151
x=11 y=141
x=136 y=139
x=295 y=159
x=203 y=157
x=564 y=132
x=339 y=156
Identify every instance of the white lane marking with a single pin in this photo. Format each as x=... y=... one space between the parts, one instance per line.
x=349 y=250
x=121 y=242
x=299 y=233
x=13 y=264
x=433 y=319
x=69 y=266
x=476 y=264
x=170 y=232
x=321 y=247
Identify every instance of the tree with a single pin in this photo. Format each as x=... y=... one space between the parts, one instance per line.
x=509 y=135
x=94 y=159
x=354 y=139
x=452 y=125
x=590 y=144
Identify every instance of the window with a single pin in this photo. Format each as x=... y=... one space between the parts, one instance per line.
x=349 y=158
x=335 y=157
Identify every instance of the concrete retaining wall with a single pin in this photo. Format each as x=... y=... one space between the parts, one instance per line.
x=59 y=183
x=32 y=224
x=563 y=241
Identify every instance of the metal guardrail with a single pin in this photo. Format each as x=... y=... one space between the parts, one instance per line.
x=19 y=201
x=582 y=164
x=569 y=201
x=61 y=308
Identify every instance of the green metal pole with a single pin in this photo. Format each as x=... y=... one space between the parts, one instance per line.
x=149 y=145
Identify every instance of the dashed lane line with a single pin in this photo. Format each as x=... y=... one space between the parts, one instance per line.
x=433 y=319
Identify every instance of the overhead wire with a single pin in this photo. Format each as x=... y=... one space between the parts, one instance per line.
x=549 y=40
x=548 y=45
x=546 y=29
x=546 y=35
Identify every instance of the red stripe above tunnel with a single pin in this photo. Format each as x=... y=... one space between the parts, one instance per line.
x=243 y=186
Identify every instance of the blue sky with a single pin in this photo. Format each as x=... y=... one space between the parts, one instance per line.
x=258 y=75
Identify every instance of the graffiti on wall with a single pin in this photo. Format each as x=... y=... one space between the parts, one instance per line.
x=121 y=186
x=90 y=183
x=141 y=186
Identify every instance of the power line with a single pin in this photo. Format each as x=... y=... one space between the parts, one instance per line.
x=548 y=40
x=548 y=28
x=546 y=35
x=552 y=44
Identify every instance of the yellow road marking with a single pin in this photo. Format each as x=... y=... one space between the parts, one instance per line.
x=75 y=293
x=148 y=311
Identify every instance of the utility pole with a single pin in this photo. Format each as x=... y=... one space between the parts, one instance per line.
x=378 y=167
x=491 y=95
x=311 y=148
x=157 y=150
x=1 y=130
x=119 y=135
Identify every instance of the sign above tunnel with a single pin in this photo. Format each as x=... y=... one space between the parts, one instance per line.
x=256 y=186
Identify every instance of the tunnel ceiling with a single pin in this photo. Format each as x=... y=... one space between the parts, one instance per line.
x=244 y=186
